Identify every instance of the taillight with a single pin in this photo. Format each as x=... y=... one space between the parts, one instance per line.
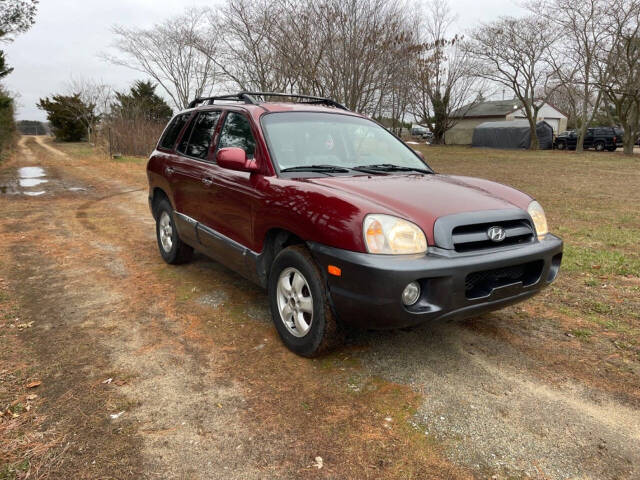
x=615 y=139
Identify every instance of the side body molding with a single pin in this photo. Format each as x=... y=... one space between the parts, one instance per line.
x=219 y=247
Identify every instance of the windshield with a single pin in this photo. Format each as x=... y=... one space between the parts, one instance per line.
x=300 y=139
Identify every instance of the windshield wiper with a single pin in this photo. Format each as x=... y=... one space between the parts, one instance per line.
x=389 y=167
x=316 y=168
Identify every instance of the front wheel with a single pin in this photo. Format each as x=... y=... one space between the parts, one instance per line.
x=599 y=147
x=300 y=305
x=561 y=146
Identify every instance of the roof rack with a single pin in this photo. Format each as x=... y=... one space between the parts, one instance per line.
x=250 y=98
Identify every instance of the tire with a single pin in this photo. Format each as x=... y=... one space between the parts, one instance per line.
x=561 y=146
x=612 y=149
x=599 y=146
x=173 y=250
x=297 y=290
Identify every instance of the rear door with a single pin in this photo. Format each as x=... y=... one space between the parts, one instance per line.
x=191 y=169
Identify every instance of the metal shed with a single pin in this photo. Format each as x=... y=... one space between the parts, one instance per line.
x=511 y=134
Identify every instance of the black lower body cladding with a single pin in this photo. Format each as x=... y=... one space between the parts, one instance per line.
x=368 y=293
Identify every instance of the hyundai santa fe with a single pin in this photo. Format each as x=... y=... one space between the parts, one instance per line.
x=340 y=221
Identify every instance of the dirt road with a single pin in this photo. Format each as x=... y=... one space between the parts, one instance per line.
x=154 y=371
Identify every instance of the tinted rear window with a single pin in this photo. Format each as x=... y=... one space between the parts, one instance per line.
x=173 y=130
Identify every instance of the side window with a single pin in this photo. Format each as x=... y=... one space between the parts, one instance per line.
x=173 y=130
x=184 y=141
x=203 y=129
x=236 y=132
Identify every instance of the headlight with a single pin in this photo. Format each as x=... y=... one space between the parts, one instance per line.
x=389 y=235
x=539 y=219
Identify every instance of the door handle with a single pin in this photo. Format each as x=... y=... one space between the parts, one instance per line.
x=207 y=181
x=169 y=171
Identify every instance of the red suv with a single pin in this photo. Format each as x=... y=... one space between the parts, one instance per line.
x=341 y=221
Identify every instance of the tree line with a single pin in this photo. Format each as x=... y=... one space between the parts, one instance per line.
x=16 y=17
x=395 y=61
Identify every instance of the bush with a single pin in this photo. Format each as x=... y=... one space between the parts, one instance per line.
x=132 y=136
x=7 y=124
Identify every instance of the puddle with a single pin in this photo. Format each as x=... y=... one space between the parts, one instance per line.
x=31 y=172
x=33 y=181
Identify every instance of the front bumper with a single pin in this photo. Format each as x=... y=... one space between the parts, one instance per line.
x=453 y=285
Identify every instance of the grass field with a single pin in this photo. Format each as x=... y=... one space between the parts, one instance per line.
x=592 y=200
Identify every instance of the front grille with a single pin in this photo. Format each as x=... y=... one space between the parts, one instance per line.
x=481 y=284
x=475 y=237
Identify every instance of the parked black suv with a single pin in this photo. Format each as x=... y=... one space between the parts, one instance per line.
x=599 y=138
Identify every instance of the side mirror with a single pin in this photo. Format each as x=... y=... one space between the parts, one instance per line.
x=234 y=158
x=420 y=154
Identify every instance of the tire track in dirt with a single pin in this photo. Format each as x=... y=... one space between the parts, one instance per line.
x=209 y=395
x=210 y=386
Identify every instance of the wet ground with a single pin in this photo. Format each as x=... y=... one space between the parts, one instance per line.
x=155 y=371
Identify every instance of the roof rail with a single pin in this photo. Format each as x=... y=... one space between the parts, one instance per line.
x=249 y=98
x=237 y=97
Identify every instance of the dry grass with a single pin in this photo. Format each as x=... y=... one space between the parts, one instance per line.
x=295 y=408
x=592 y=200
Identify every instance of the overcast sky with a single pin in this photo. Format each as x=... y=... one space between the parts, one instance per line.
x=69 y=34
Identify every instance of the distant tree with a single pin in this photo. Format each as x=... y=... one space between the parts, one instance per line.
x=31 y=127
x=7 y=123
x=443 y=78
x=515 y=52
x=141 y=102
x=167 y=53
x=94 y=93
x=16 y=16
x=621 y=61
x=585 y=27
x=67 y=115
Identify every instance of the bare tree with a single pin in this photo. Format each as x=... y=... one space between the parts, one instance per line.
x=621 y=59
x=514 y=52
x=444 y=82
x=585 y=27
x=167 y=53
x=93 y=93
x=245 y=54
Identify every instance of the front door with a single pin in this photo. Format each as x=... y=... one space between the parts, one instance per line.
x=230 y=198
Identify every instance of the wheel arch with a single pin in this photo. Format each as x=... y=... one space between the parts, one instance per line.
x=157 y=195
x=275 y=240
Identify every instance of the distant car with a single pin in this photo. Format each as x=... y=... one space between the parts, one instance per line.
x=428 y=136
x=417 y=131
x=598 y=138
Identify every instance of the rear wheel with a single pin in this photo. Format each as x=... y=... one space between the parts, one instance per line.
x=612 y=149
x=599 y=146
x=172 y=249
x=300 y=305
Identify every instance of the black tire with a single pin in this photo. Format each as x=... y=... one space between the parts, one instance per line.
x=561 y=146
x=178 y=252
x=324 y=331
x=612 y=149
x=599 y=146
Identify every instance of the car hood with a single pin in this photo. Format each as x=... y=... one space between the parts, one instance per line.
x=422 y=199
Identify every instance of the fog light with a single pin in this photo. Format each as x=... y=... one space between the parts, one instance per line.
x=411 y=294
